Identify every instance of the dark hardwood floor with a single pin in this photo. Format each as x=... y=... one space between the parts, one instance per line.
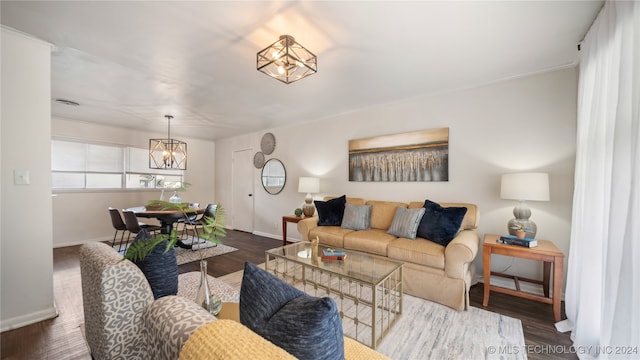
x=61 y=338
x=542 y=340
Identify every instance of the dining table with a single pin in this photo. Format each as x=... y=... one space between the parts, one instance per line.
x=167 y=218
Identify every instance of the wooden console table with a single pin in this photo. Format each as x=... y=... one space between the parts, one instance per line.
x=289 y=219
x=546 y=252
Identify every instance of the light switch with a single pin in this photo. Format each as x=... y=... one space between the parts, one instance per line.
x=21 y=177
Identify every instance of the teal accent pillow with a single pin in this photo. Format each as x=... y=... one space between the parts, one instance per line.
x=307 y=327
x=356 y=217
x=330 y=212
x=440 y=224
x=405 y=222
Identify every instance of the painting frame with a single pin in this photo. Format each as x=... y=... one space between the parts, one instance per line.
x=417 y=156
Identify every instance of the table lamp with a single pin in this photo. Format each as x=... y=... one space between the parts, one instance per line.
x=308 y=185
x=523 y=187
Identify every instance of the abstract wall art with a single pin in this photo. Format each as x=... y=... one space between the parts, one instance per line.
x=414 y=156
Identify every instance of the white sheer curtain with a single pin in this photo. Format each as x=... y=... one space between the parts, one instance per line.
x=603 y=280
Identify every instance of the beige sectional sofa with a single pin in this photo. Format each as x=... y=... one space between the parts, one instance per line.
x=431 y=271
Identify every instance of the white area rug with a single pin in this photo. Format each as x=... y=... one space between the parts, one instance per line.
x=427 y=330
x=184 y=256
x=203 y=248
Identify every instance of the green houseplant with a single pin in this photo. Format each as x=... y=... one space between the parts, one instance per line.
x=213 y=229
x=520 y=229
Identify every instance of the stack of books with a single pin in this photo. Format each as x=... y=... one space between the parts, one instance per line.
x=333 y=254
x=514 y=240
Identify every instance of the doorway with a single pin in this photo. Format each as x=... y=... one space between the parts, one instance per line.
x=242 y=180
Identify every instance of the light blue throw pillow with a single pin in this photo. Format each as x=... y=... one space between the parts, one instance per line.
x=356 y=217
x=405 y=222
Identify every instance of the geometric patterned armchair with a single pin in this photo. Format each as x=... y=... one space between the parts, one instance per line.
x=114 y=293
x=116 y=297
x=122 y=321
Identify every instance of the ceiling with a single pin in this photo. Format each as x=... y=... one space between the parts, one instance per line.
x=130 y=63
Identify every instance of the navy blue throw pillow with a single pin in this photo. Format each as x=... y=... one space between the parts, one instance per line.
x=440 y=224
x=306 y=327
x=159 y=267
x=330 y=212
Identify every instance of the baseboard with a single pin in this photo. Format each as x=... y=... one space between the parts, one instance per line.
x=80 y=242
x=28 y=319
x=275 y=236
x=272 y=236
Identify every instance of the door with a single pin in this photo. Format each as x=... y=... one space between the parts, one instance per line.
x=242 y=180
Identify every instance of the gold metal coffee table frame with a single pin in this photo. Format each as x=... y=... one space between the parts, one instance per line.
x=366 y=288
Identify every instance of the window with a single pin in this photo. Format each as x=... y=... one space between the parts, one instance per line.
x=78 y=165
x=139 y=176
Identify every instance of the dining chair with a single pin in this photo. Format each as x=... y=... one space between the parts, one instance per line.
x=134 y=226
x=119 y=225
x=192 y=223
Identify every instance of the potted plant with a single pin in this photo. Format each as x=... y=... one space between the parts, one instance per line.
x=520 y=229
x=213 y=229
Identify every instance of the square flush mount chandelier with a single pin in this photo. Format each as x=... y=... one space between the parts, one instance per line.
x=168 y=154
x=287 y=60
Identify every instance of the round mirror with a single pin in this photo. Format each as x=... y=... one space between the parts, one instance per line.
x=274 y=176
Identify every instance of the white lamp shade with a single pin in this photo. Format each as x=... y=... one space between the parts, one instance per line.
x=525 y=186
x=308 y=185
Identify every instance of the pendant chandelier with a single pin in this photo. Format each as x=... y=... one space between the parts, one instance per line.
x=168 y=154
x=287 y=60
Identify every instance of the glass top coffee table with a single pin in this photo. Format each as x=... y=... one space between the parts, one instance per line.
x=367 y=288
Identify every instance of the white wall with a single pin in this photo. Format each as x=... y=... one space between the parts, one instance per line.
x=523 y=124
x=25 y=244
x=80 y=216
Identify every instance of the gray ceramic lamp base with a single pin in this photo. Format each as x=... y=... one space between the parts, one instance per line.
x=522 y=214
x=308 y=209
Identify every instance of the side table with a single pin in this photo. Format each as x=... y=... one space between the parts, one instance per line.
x=229 y=311
x=289 y=219
x=546 y=252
